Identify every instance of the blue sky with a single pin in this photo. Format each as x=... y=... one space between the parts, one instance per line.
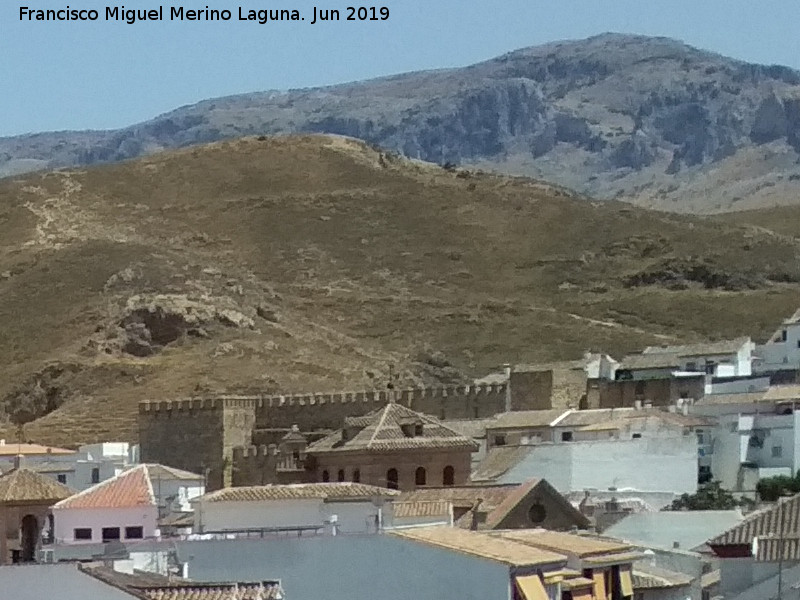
x=104 y=75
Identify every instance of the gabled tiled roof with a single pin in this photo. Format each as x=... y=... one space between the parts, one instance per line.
x=421 y=508
x=326 y=491
x=783 y=518
x=128 y=489
x=542 y=488
x=381 y=430
x=25 y=486
x=655 y=578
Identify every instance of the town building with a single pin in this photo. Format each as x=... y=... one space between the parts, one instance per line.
x=760 y=557
x=312 y=507
x=25 y=501
x=756 y=435
x=781 y=353
x=534 y=503
x=126 y=507
x=393 y=447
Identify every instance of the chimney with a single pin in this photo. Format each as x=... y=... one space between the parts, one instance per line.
x=18 y=461
x=676 y=545
x=637 y=404
x=685 y=408
x=474 y=523
x=507 y=371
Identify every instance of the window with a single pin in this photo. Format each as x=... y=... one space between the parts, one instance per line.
x=798 y=343
x=420 y=476
x=418 y=429
x=691 y=366
x=734 y=427
x=62 y=478
x=710 y=367
x=110 y=533
x=326 y=477
x=356 y=476
x=636 y=436
x=500 y=440
x=95 y=475
x=777 y=451
x=566 y=436
x=448 y=476
x=83 y=533
x=537 y=513
x=391 y=479
x=783 y=335
x=639 y=389
x=134 y=533
x=340 y=475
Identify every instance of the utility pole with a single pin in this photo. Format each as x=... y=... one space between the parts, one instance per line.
x=782 y=509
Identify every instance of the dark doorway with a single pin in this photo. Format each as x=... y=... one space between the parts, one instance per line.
x=29 y=531
x=391 y=479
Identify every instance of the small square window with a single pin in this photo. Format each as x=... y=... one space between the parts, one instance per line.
x=566 y=436
x=62 y=478
x=83 y=533
x=499 y=440
x=777 y=451
x=636 y=436
x=134 y=533
x=110 y=533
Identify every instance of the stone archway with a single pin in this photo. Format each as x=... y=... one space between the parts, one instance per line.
x=29 y=533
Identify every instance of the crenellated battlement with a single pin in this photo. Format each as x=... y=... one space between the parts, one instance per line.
x=245 y=452
x=376 y=397
x=199 y=404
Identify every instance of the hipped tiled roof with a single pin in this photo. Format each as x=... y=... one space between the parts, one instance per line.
x=381 y=430
x=25 y=486
x=498 y=461
x=128 y=489
x=294 y=491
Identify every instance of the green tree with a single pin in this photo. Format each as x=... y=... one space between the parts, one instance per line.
x=709 y=496
x=771 y=488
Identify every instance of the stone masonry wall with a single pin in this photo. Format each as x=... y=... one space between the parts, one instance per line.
x=197 y=435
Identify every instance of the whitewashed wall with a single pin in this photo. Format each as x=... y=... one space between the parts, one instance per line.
x=68 y=519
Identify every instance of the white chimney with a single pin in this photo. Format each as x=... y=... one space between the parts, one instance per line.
x=637 y=405
x=507 y=371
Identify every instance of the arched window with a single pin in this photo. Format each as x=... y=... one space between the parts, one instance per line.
x=448 y=476
x=391 y=479
x=326 y=476
x=356 y=476
x=340 y=475
x=420 y=477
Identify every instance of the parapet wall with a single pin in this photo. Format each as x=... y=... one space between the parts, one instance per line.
x=190 y=404
x=327 y=411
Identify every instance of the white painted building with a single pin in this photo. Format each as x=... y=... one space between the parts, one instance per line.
x=334 y=507
x=782 y=350
x=126 y=507
x=729 y=358
x=756 y=435
x=654 y=464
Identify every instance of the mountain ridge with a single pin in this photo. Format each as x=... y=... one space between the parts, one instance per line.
x=648 y=120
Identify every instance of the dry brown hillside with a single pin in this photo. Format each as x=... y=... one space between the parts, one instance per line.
x=315 y=263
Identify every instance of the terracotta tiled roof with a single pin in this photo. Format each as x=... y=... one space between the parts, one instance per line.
x=129 y=488
x=422 y=508
x=267 y=590
x=498 y=461
x=13 y=449
x=582 y=546
x=483 y=545
x=462 y=496
x=328 y=491
x=703 y=349
x=24 y=485
x=382 y=430
x=781 y=518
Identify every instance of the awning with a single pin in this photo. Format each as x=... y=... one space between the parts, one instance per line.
x=531 y=587
x=625 y=581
